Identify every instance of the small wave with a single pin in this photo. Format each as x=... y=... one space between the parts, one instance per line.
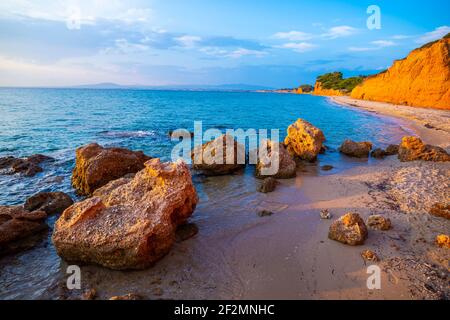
x=127 y=134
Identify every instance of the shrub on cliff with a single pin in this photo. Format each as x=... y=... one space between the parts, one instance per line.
x=334 y=80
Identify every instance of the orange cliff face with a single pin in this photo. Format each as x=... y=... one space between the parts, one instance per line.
x=422 y=79
x=319 y=91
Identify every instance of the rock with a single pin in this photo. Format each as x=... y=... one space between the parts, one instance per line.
x=264 y=213
x=443 y=241
x=28 y=167
x=369 y=255
x=378 y=222
x=349 y=229
x=287 y=168
x=378 y=153
x=267 y=185
x=186 y=231
x=128 y=223
x=326 y=167
x=412 y=148
x=89 y=294
x=325 y=214
x=356 y=149
x=220 y=156
x=441 y=210
x=303 y=140
x=391 y=150
x=95 y=166
x=16 y=223
x=129 y=296
x=50 y=202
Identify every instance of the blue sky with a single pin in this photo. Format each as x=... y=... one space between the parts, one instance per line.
x=176 y=42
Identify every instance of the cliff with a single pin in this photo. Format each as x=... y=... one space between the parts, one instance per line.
x=422 y=79
x=320 y=91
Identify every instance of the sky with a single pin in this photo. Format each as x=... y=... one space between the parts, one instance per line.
x=207 y=42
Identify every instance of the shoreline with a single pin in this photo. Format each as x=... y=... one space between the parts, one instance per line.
x=426 y=122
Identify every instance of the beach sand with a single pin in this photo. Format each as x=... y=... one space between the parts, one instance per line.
x=288 y=255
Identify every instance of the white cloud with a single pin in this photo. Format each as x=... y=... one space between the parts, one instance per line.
x=383 y=43
x=188 y=41
x=401 y=37
x=293 y=36
x=298 y=46
x=434 y=35
x=361 y=49
x=124 y=46
x=339 y=31
x=240 y=52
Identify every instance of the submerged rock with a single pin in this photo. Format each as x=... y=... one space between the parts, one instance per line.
x=28 y=167
x=412 y=148
x=303 y=140
x=326 y=167
x=441 y=210
x=264 y=213
x=267 y=185
x=286 y=165
x=378 y=153
x=95 y=166
x=391 y=150
x=378 y=222
x=129 y=223
x=16 y=223
x=349 y=229
x=50 y=202
x=220 y=156
x=356 y=149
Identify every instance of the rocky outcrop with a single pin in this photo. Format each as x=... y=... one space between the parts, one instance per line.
x=391 y=150
x=369 y=255
x=320 y=91
x=356 y=149
x=412 y=148
x=16 y=223
x=441 y=210
x=220 y=156
x=422 y=79
x=349 y=229
x=49 y=202
x=443 y=241
x=95 y=166
x=378 y=222
x=129 y=223
x=28 y=167
x=303 y=140
x=267 y=185
x=378 y=153
x=286 y=164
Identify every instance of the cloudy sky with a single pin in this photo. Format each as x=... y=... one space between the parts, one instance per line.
x=167 y=42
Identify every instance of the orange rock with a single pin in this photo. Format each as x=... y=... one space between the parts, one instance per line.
x=319 y=91
x=303 y=140
x=422 y=79
x=443 y=241
x=286 y=163
x=349 y=229
x=95 y=166
x=129 y=223
x=412 y=148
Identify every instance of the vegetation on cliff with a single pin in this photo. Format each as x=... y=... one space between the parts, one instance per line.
x=335 y=81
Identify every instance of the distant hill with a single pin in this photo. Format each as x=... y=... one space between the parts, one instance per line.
x=223 y=87
x=422 y=79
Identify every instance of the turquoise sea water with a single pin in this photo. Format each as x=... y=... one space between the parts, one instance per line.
x=56 y=121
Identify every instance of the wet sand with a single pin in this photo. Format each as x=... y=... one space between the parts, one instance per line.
x=239 y=255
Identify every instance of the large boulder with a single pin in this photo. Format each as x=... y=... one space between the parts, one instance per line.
x=95 y=166
x=50 y=202
x=303 y=140
x=223 y=155
x=28 y=167
x=412 y=148
x=286 y=164
x=356 y=149
x=129 y=223
x=16 y=223
x=349 y=229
